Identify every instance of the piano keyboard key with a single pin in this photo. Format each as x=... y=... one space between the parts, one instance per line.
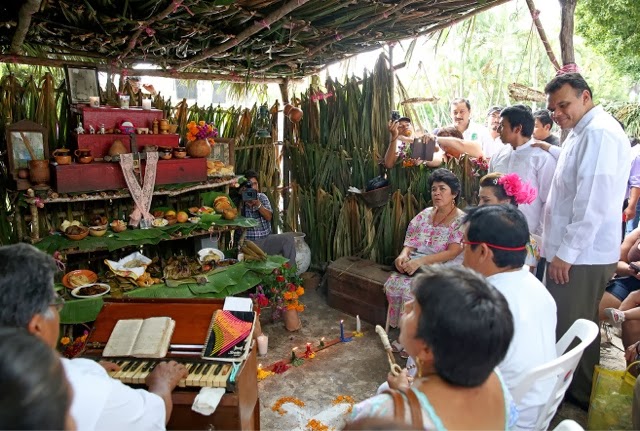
x=221 y=379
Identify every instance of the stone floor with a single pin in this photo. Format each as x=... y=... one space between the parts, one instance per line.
x=354 y=369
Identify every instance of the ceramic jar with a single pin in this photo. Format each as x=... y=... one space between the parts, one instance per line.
x=303 y=253
x=165 y=152
x=39 y=172
x=199 y=148
x=62 y=156
x=180 y=152
x=164 y=126
x=291 y=320
x=83 y=155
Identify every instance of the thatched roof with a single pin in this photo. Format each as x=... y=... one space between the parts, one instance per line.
x=238 y=39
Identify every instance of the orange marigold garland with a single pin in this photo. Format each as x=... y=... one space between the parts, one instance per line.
x=316 y=425
x=344 y=399
x=277 y=406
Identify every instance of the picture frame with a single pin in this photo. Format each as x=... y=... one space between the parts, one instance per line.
x=19 y=155
x=82 y=83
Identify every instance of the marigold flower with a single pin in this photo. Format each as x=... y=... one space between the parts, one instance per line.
x=300 y=291
x=287 y=296
x=300 y=308
x=65 y=340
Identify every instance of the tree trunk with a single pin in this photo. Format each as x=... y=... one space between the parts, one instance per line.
x=566 y=31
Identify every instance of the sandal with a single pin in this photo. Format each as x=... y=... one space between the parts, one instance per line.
x=396 y=347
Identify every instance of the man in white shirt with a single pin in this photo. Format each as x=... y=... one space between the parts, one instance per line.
x=581 y=237
x=533 y=165
x=28 y=300
x=495 y=246
x=493 y=124
x=476 y=142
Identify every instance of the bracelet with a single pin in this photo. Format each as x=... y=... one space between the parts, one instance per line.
x=259 y=206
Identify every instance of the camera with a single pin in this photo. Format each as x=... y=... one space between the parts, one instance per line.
x=395 y=115
x=248 y=192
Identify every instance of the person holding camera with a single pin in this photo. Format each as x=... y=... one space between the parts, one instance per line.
x=256 y=205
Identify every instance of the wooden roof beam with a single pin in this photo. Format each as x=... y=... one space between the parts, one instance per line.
x=172 y=73
x=257 y=26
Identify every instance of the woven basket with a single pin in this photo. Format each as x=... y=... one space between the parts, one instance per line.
x=378 y=197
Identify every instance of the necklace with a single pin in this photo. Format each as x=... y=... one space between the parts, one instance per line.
x=433 y=220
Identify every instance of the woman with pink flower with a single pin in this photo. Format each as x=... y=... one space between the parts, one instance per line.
x=497 y=189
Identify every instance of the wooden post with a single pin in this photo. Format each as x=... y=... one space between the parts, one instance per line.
x=287 y=136
x=566 y=40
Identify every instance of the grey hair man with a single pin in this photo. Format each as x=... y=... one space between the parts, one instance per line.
x=28 y=300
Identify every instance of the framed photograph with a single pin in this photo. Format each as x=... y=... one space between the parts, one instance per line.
x=82 y=83
x=26 y=141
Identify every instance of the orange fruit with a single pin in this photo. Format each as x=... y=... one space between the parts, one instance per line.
x=170 y=213
x=182 y=217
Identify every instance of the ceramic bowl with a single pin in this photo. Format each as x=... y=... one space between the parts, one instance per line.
x=97 y=230
x=79 y=236
x=117 y=228
x=91 y=276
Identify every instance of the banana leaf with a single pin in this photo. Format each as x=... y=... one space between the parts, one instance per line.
x=81 y=310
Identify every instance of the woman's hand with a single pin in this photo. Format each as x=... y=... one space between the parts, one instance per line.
x=411 y=266
x=400 y=261
x=630 y=354
x=401 y=382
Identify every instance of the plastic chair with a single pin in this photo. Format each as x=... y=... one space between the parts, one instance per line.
x=568 y=425
x=562 y=367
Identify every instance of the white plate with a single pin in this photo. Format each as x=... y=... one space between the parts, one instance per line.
x=75 y=291
x=205 y=251
x=159 y=222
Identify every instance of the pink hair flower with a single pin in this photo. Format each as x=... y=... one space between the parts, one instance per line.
x=523 y=193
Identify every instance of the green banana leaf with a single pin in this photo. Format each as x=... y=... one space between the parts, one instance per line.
x=81 y=310
x=232 y=281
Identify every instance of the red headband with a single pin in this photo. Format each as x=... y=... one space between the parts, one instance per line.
x=499 y=247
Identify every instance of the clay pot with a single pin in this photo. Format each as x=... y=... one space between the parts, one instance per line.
x=23 y=173
x=165 y=152
x=39 y=172
x=173 y=128
x=82 y=152
x=180 y=152
x=287 y=109
x=62 y=156
x=291 y=320
x=199 y=148
x=295 y=114
x=117 y=148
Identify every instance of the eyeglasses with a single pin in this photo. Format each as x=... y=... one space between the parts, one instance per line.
x=57 y=303
x=498 y=247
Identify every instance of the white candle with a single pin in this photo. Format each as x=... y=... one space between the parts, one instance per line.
x=146 y=104
x=263 y=344
x=94 y=101
x=358 y=323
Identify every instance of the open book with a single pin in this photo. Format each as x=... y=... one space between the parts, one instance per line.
x=148 y=338
x=230 y=335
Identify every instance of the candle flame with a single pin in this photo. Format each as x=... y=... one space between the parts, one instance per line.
x=259 y=366
x=308 y=344
x=322 y=339
x=295 y=348
x=341 y=321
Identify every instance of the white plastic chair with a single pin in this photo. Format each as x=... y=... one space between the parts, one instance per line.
x=568 y=425
x=562 y=367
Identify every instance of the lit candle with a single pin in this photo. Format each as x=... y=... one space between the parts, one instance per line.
x=342 y=329
x=94 y=101
x=322 y=342
x=293 y=354
x=263 y=344
x=358 y=324
x=308 y=352
x=146 y=104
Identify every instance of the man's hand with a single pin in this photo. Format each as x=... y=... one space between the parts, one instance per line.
x=401 y=382
x=393 y=129
x=109 y=366
x=541 y=144
x=559 y=271
x=254 y=203
x=166 y=376
x=630 y=212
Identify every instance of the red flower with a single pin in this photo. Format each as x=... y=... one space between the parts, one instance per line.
x=280 y=279
x=287 y=265
x=263 y=301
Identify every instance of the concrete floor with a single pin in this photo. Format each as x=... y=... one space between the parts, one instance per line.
x=355 y=369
